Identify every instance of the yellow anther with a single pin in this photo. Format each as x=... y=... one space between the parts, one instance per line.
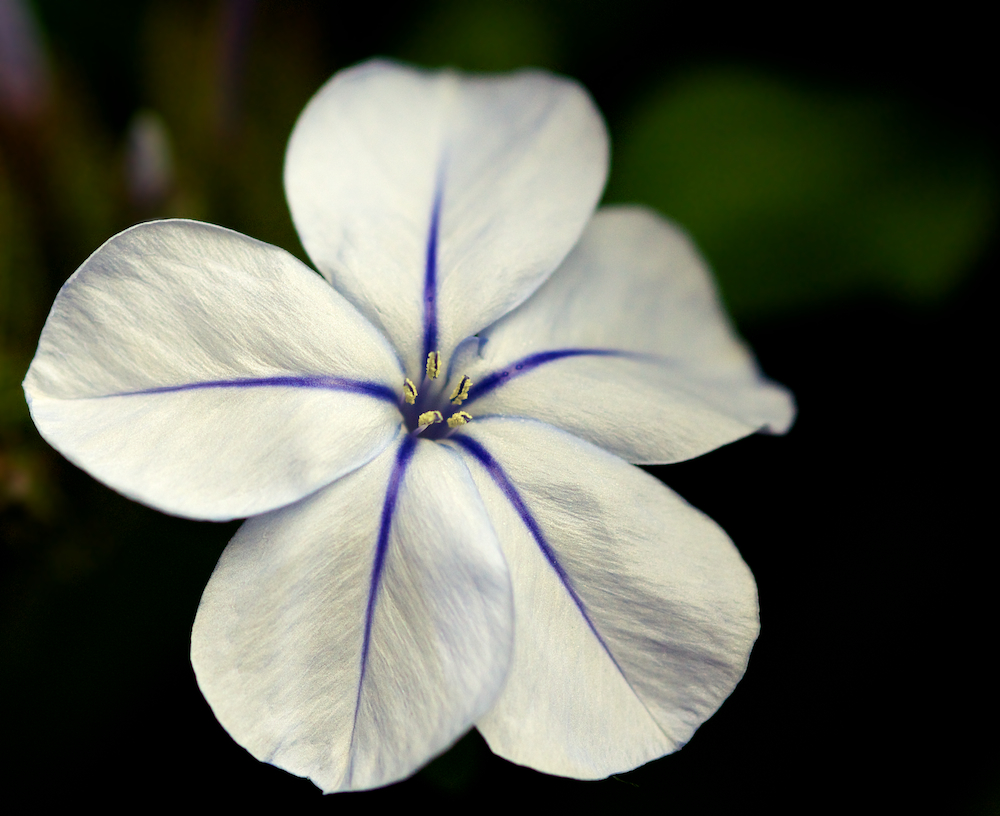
x=429 y=418
x=433 y=360
x=458 y=418
x=409 y=392
x=461 y=392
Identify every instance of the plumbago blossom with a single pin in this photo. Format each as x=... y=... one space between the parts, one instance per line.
x=431 y=441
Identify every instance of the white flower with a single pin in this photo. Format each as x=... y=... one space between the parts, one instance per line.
x=400 y=582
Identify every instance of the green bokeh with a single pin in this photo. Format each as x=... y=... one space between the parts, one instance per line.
x=485 y=35
x=798 y=196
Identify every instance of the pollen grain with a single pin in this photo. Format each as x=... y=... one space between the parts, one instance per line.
x=461 y=392
x=429 y=418
x=433 y=362
x=409 y=392
x=459 y=418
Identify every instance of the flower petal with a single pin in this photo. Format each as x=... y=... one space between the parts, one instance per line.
x=208 y=374
x=634 y=613
x=626 y=345
x=436 y=203
x=352 y=636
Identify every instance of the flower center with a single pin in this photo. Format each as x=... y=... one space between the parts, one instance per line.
x=426 y=411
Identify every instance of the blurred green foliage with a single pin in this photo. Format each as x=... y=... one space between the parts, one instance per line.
x=798 y=195
x=488 y=35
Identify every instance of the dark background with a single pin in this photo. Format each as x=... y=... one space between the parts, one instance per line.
x=866 y=526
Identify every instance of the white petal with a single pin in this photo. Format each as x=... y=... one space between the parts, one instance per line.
x=513 y=166
x=208 y=374
x=634 y=613
x=279 y=641
x=637 y=354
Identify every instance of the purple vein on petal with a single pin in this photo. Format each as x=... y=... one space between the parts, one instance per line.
x=495 y=379
x=363 y=387
x=403 y=457
x=499 y=476
x=430 y=268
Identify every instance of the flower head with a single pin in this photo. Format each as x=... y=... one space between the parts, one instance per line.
x=432 y=443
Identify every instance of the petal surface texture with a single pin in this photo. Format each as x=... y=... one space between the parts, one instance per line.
x=210 y=375
x=626 y=345
x=353 y=636
x=634 y=613
x=437 y=203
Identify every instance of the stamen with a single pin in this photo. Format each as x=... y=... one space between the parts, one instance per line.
x=433 y=360
x=409 y=392
x=461 y=392
x=429 y=418
x=459 y=418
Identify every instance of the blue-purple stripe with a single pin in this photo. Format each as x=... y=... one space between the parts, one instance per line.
x=403 y=457
x=497 y=378
x=430 y=273
x=500 y=478
x=363 y=387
